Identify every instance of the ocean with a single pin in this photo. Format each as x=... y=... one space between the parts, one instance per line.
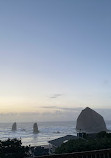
x=48 y=131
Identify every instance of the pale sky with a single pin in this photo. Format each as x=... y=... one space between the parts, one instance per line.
x=54 y=54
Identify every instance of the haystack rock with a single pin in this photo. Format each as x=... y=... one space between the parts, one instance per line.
x=90 y=121
x=35 y=128
x=14 y=126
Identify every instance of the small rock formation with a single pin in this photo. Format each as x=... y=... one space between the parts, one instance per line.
x=90 y=121
x=14 y=126
x=23 y=129
x=35 y=128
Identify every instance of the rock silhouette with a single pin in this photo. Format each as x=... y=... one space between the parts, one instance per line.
x=90 y=121
x=35 y=128
x=14 y=126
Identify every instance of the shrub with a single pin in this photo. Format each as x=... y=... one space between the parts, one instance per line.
x=12 y=148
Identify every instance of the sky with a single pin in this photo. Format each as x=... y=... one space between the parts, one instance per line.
x=54 y=58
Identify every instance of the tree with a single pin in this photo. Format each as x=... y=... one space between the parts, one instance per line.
x=79 y=145
x=12 y=148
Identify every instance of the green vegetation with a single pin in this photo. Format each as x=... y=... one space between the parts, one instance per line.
x=12 y=148
x=101 y=141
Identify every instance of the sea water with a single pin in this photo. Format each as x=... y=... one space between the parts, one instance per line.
x=47 y=131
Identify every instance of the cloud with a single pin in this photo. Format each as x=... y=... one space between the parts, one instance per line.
x=55 y=96
x=49 y=107
x=106 y=83
x=70 y=109
x=62 y=108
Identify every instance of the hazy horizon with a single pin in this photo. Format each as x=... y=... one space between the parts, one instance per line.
x=59 y=115
x=54 y=59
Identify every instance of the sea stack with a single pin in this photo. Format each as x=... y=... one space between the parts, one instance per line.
x=14 y=126
x=35 y=128
x=90 y=121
